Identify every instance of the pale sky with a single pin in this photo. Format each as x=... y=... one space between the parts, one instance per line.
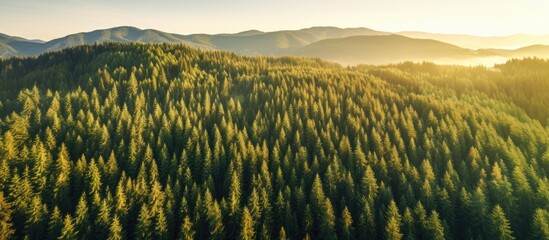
x=48 y=19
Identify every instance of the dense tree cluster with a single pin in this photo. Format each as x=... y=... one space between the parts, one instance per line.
x=130 y=141
x=520 y=82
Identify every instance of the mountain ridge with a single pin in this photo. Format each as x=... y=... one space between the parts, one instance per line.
x=385 y=49
x=299 y=42
x=246 y=42
x=479 y=42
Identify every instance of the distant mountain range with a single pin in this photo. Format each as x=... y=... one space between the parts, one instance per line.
x=478 y=42
x=343 y=45
x=381 y=49
x=384 y=49
x=249 y=42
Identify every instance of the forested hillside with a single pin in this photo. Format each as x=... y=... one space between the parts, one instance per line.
x=524 y=83
x=131 y=141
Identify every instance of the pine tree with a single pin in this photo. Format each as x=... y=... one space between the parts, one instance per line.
x=103 y=221
x=161 y=226
x=6 y=226
x=121 y=207
x=500 y=227
x=9 y=149
x=81 y=220
x=144 y=224
x=392 y=227
x=254 y=205
x=282 y=234
x=346 y=224
x=234 y=204
x=369 y=185
x=408 y=225
x=115 y=230
x=187 y=232
x=327 y=221
x=540 y=224
x=366 y=221
x=36 y=223
x=323 y=210
x=68 y=231
x=5 y=173
x=478 y=215
x=42 y=162
x=435 y=229
x=524 y=194
x=61 y=190
x=94 y=178
x=215 y=221
x=247 y=231
x=55 y=224
x=112 y=169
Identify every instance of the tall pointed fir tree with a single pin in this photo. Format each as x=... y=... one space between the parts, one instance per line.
x=68 y=231
x=247 y=231
x=6 y=226
x=392 y=226
x=499 y=225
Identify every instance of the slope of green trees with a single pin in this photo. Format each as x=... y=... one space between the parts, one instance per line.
x=524 y=83
x=131 y=141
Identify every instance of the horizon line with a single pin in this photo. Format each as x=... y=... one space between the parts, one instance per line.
x=264 y=31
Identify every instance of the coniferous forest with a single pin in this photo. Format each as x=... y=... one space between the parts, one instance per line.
x=134 y=141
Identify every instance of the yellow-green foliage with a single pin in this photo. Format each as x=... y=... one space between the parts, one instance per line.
x=173 y=142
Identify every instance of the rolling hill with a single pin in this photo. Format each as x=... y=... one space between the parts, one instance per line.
x=275 y=43
x=119 y=34
x=13 y=46
x=541 y=51
x=478 y=42
x=249 y=42
x=6 y=50
x=385 y=49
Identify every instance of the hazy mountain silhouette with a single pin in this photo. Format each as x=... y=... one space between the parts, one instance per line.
x=541 y=51
x=385 y=49
x=274 y=43
x=478 y=42
x=118 y=34
x=13 y=46
x=248 y=42
x=343 y=45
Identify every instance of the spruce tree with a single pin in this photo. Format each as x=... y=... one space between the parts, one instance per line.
x=540 y=225
x=115 y=230
x=187 y=232
x=68 y=231
x=282 y=234
x=435 y=229
x=392 y=227
x=247 y=231
x=6 y=225
x=346 y=224
x=499 y=225
x=55 y=224
x=144 y=224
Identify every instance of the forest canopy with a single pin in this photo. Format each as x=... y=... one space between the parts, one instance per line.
x=142 y=141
